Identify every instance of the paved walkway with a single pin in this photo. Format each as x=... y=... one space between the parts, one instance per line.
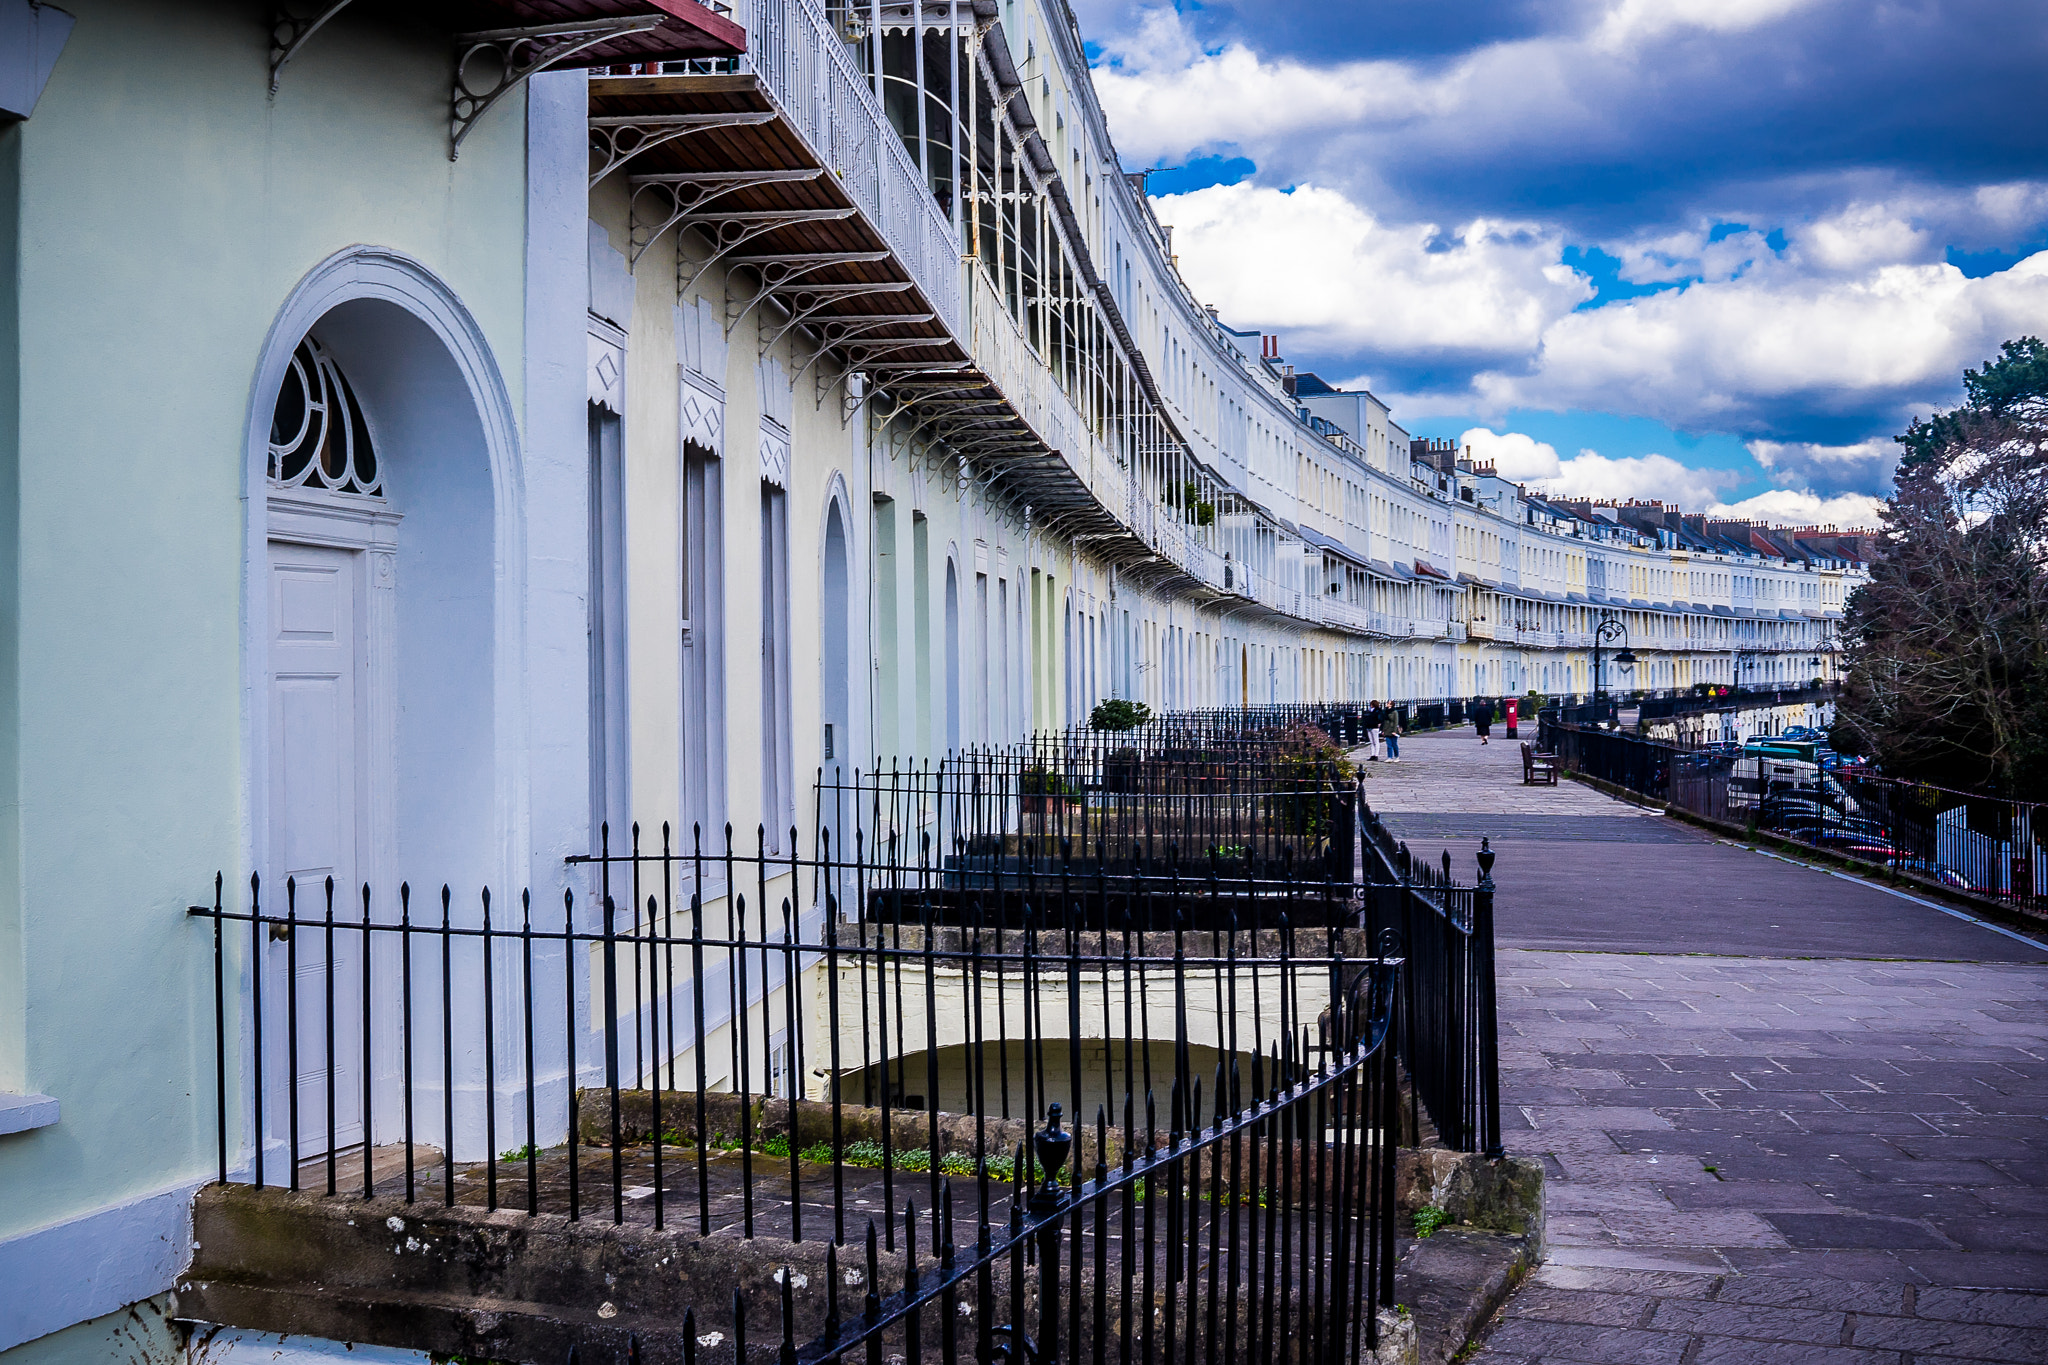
x=1787 y=1116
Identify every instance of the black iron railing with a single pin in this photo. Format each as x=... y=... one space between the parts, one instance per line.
x=1244 y=1102
x=1049 y=811
x=1979 y=845
x=1449 y=1036
x=1253 y=726
x=858 y=1040
x=1660 y=706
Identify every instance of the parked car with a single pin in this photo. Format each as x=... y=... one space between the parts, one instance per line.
x=1782 y=808
x=1856 y=843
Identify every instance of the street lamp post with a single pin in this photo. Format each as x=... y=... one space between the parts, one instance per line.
x=1610 y=628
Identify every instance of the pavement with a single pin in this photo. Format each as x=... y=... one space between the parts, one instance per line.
x=1786 y=1115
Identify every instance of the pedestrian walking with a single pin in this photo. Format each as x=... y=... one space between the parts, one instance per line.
x=1375 y=717
x=1390 y=733
x=1482 y=718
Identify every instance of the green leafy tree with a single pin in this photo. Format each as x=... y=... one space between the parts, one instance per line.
x=1948 y=641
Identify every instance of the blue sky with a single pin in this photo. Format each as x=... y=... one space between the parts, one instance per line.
x=1712 y=250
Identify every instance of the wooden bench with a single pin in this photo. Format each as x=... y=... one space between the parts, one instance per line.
x=1538 y=768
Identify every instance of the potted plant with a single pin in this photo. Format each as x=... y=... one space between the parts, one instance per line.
x=1042 y=790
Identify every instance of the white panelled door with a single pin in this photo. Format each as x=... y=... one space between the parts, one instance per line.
x=317 y=822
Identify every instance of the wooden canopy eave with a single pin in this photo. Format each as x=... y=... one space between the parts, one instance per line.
x=734 y=125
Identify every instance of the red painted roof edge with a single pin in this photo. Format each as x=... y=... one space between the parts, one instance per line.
x=697 y=16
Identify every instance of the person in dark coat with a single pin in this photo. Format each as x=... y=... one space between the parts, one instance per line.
x=1482 y=719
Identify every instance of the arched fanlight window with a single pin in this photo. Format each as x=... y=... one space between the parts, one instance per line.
x=318 y=438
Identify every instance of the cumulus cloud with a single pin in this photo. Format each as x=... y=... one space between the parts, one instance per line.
x=1613 y=117
x=1865 y=467
x=1775 y=344
x=1790 y=507
x=1590 y=474
x=1689 y=254
x=1632 y=21
x=1167 y=98
x=1748 y=162
x=1745 y=354
x=1514 y=456
x=1329 y=268
x=1823 y=480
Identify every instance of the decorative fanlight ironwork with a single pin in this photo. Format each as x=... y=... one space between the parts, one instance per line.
x=318 y=438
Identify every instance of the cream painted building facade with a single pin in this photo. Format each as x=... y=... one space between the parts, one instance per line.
x=1055 y=477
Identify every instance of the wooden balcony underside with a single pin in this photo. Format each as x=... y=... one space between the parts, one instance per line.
x=954 y=398
x=776 y=146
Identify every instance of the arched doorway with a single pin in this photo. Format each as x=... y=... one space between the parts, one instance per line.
x=384 y=579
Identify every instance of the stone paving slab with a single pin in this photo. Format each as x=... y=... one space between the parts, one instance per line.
x=1763 y=1143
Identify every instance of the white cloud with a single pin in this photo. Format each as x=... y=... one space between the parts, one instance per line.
x=1168 y=97
x=1590 y=474
x=1633 y=21
x=1852 y=315
x=1738 y=354
x=1690 y=254
x=1790 y=507
x=1514 y=456
x=1864 y=467
x=1862 y=237
x=2008 y=208
x=1327 y=267
x=1165 y=98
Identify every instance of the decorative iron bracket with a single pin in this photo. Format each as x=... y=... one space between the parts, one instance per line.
x=929 y=408
x=522 y=52
x=728 y=231
x=619 y=139
x=805 y=302
x=862 y=364
x=683 y=193
x=288 y=33
x=858 y=356
x=840 y=329
x=930 y=401
x=989 y=444
x=779 y=269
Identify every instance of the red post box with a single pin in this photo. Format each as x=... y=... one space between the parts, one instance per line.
x=1510 y=704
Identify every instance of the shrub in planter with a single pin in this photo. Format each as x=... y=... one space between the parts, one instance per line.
x=1118 y=713
x=1312 y=765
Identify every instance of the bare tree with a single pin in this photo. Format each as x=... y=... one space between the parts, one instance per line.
x=1948 y=642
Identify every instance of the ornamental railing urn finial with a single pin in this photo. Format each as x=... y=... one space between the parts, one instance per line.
x=1051 y=1147
x=1486 y=856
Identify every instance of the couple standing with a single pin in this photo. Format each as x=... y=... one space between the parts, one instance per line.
x=1382 y=726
